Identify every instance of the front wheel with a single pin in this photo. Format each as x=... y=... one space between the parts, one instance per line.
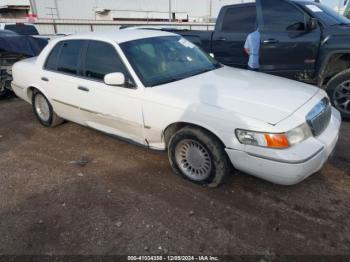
x=44 y=111
x=338 y=89
x=198 y=156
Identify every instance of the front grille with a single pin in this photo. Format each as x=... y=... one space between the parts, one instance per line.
x=319 y=117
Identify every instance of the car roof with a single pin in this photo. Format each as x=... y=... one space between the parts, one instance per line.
x=119 y=36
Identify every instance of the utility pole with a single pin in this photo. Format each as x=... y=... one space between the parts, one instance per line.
x=210 y=9
x=57 y=10
x=33 y=6
x=170 y=12
x=52 y=13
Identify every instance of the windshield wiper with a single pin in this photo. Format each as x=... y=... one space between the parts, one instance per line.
x=202 y=72
x=174 y=79
x=342 y=24
x=167 y=81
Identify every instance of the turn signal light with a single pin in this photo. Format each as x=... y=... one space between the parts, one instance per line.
x=277 y=140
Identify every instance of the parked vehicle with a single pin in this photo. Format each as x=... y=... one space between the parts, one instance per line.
x=20 y=28
x=300 y=40
x=13 y=48
x=159 y=90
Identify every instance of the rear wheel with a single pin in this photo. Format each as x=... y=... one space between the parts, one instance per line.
x=198 y=156
x=44 y=111
x=338 y=89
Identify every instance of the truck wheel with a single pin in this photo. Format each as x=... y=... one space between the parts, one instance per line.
x=44 y=111
x=338 y=89
x=198 y=156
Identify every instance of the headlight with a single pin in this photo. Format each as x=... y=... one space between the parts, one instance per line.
x=270 y=140
x=299 y=134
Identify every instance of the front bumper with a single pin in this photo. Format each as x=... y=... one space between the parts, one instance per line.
x=290 y=167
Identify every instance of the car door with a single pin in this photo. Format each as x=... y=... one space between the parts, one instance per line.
x=61 y=79
x=288 y=46
x=231 y=33
x=112 y=109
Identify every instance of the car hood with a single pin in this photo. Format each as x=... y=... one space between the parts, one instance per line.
x=257 y=95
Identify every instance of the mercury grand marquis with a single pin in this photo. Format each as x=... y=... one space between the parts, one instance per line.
x=159 y=90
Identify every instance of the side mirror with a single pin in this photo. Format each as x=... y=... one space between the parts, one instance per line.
x=114 y=79
x=312 y=24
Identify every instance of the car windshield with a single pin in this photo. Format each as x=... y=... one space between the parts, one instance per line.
x=327 y=14
x=161 y=60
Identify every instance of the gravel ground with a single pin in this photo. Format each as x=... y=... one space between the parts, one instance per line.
x=122 y=199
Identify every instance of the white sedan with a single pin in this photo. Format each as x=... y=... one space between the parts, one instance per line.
x=158 y=90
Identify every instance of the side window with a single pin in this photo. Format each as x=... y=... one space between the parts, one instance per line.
x=51 y=62
x=69 y=58
x=281 y=16
x=240 y=19
x=102 y=59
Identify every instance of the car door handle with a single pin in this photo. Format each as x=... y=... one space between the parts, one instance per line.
x=45 y=79
x=82 y=88
x=221 y=39
x=271 y=41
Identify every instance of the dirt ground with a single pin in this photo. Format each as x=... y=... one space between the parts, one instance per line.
x=126 y=200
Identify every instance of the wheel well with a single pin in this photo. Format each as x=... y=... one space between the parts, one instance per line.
x=30 y=92
x=175 y=127
x=336 y=64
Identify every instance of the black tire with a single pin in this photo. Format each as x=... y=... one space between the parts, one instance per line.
x=53 y=119
x=220 y=163
x=332 y=89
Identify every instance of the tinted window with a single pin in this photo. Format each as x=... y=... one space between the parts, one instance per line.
x=22 y=29
x=240 y=19
x=281 y=16
x=102 y=59
x=51 y=62
x=69 y=58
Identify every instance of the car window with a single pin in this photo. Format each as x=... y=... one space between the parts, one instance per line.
x=22 y=29
x=281 y=16
x=161 y=60
x=102 y=59
x=240 y=19
x=51 y=62
x=69 y=57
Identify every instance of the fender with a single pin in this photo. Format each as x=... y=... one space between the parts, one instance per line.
x=330 y=46
x=30 y=89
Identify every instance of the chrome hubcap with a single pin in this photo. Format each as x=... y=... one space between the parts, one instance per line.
x=341 y=97
x=193 y=159
x=42 y=107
